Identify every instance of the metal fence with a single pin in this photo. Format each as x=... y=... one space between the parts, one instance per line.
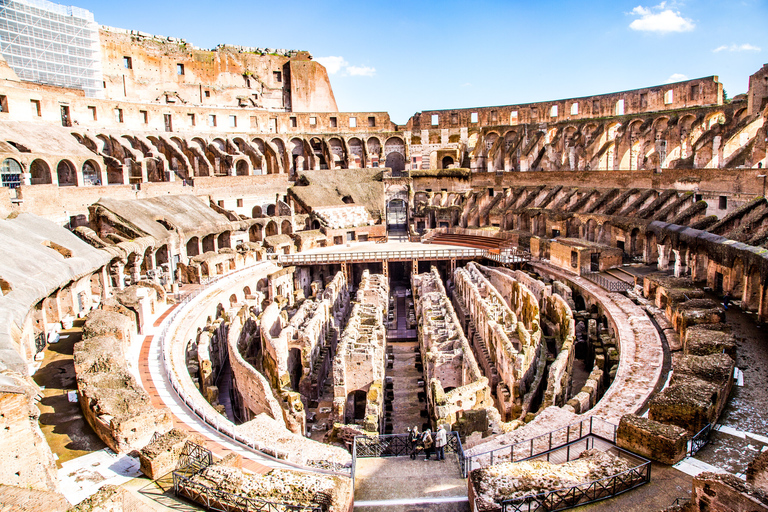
x=193 y=460
x=397 y=445
x=698 y=441
x=563 y=436
x=562 y=499
x=505 y=256
x=609 y=284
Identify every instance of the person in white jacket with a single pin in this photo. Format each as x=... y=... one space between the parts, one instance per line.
x=440 y=441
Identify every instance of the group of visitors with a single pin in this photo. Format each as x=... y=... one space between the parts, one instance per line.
x=426 y=442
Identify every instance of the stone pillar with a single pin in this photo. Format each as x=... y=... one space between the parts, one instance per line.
x=135 y=271
x=663 y=262
x=106 y=284
x=117 y=271
x=680 y=263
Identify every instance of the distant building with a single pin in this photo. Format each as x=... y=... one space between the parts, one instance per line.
x=52 y=44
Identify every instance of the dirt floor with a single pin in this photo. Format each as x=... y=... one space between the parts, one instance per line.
x=61 y=421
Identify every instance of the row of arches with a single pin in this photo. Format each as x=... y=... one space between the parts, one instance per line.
x=67 y=174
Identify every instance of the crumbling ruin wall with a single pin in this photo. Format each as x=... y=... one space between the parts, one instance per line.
x=663 y=443
x=25 y=458
x=456 y=384
x=329 y=492
x=255 y=395
x=161 y=456
x=715 y=491
x=113 y=403
x=359 y=365
x=512 y=338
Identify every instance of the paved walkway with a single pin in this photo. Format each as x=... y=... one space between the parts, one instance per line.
x=401 y=484
x=159 y=388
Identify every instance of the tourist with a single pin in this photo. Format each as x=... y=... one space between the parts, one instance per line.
x=413 y=441
x=440 y=442
x=426 y=439
x=726 y=300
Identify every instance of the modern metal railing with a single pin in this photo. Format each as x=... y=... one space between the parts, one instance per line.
x=612 y=285
x=505 y=256
x=563 y=436
x=698 y=441
x=597 y=490
x=195 y=459
x=397 y=445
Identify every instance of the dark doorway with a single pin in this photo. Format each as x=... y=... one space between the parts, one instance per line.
x=294 y=367
x=397 y=215
x=594 y=262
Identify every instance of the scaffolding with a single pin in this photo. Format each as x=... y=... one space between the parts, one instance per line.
x=52 y=44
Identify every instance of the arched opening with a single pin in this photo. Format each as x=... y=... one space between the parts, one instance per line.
x=224 y=240
x=315 y=224
x=11 y=173
x=397 y=215
x=271 y=229
x=40 y=172
x=209 y=243
x=633 y=242
x=355 y=407
x=242 y=168
x=91 y=173
x=396 y=162
x=255 y=233
x=286 y=227
x=737 y=279
x=232 y=300
x=294 y=367
x=66 y=174
x=447 y=162
x=193 y=247
x=271 y=210
x=590 y=233
x=247 y=291
x=256 y=212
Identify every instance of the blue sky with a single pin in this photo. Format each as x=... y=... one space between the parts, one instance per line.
x=406 y=56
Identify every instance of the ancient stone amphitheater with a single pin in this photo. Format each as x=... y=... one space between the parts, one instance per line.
x=242 y=297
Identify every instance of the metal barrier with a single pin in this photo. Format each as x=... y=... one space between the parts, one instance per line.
x=221 y=424
x=597 y=490
x=397 y=445
x=609 y=284
x=193 y=460
x=505 y=256
x=563 y=436
x=698 y=441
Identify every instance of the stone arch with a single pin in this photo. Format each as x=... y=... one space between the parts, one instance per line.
x=256 y=233
x=209 y=243
x=40 y=172
x=224 y=240
x=356 y=153
x=271 y=228
x=193 y=246
x=271 y=208
x=11 y=171
x=298 y=158
x=573 y=227
x=242 y=168
x=91 y=175
x=155 y=170
x=286 y=227
x=590 y=230
x=446 y=162
x=256 y=212
x=373 y=144
x=66 y=174
x=337 y=152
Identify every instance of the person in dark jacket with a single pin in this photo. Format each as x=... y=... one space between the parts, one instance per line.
x=413 y=441
x=428 y=442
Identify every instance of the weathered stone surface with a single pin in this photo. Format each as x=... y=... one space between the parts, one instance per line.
x=663 y=443
x=690 y=404
x=705 y=339
x=757 y=472
x=716 y=491
x=162 y=456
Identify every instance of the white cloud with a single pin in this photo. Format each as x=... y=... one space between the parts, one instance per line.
x=361 y=70
x=676 y=77
x=746 y=47
x=332 y=64
x=660 y=19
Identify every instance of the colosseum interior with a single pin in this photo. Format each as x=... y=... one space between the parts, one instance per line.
x=219 y=292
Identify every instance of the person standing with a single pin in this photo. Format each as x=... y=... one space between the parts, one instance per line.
x=413 y=440
x=726 y=300
x=440 y=441
x=428 y=442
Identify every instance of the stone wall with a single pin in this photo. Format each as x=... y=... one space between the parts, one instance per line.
x=25 y=459
x=667 y=444
x=715 y=491
x=512 y=337
x=456 y=384
x=113 y=403
x=359 y=365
